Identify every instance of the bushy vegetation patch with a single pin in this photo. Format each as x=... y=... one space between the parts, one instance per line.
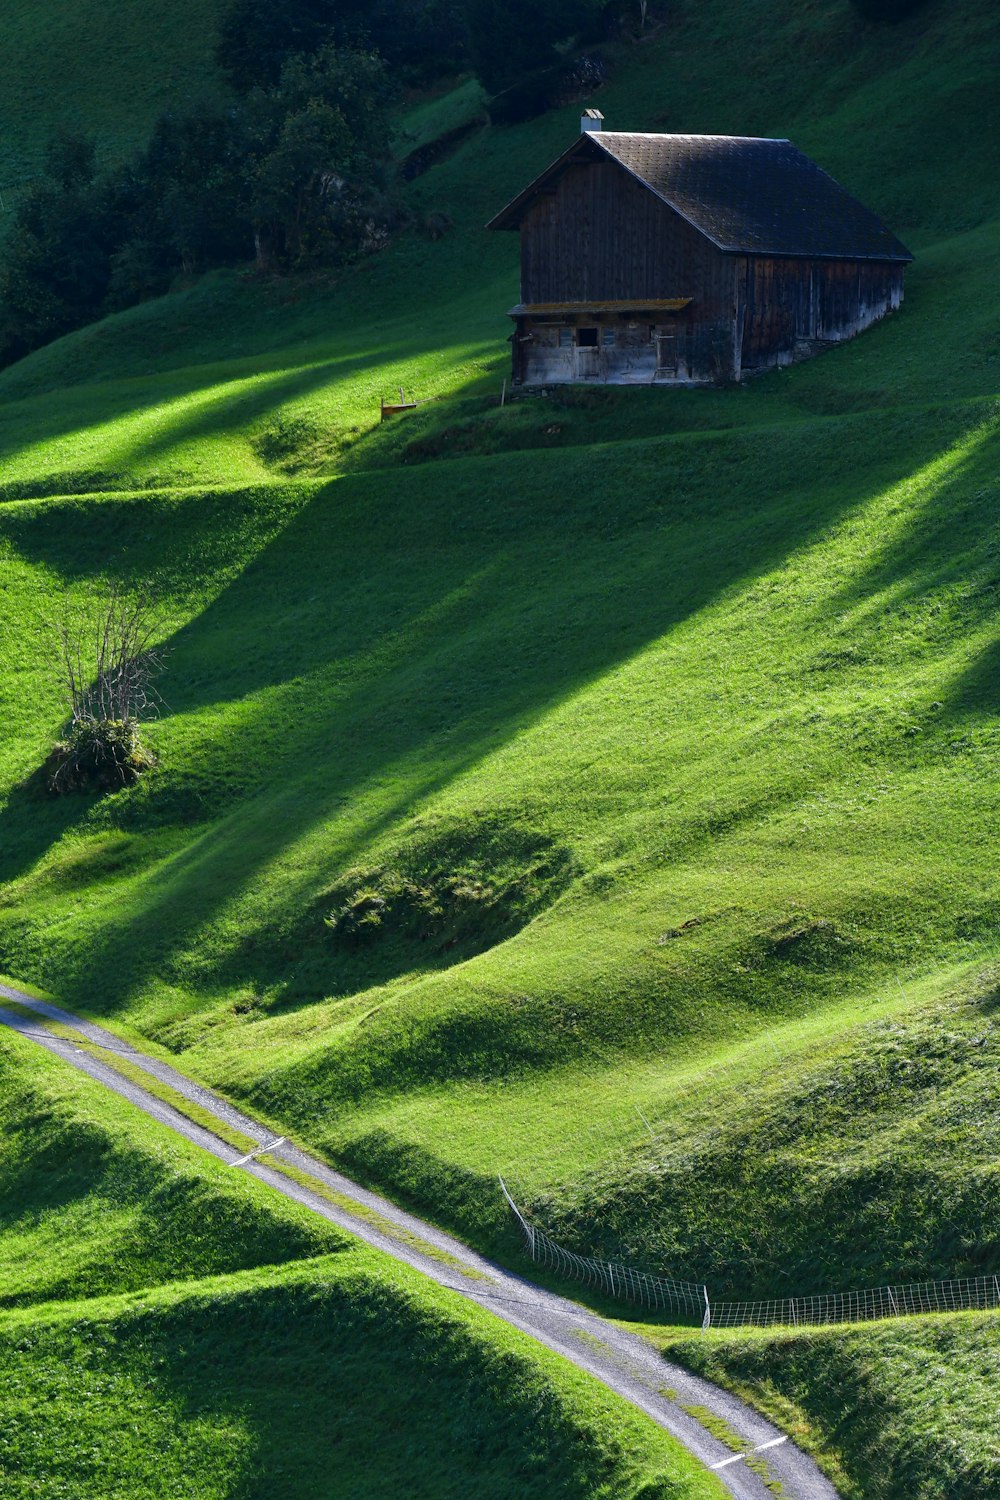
x=457 y=887
x=101 y=756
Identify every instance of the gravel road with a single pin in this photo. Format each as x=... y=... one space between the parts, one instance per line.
x=624 y=1362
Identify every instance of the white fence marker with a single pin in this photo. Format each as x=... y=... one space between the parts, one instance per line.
x=259 y=1151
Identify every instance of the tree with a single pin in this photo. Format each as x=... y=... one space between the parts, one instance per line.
x=316 y=157
x=297 y=173
x=513 y=41
x=257 y=37
x=421 y=40
x=57 y=261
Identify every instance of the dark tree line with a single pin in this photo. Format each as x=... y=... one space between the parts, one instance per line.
x=422 y=41
x=294 y=173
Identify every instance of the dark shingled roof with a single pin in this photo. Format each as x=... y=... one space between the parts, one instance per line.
x=746 y=194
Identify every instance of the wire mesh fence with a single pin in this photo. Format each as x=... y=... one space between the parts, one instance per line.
x=690 y=1301
x=684 y=1299
x=961 y=1293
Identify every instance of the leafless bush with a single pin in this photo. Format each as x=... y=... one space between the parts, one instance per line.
x=110 y=665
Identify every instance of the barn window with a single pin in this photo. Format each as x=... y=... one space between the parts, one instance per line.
x=586 y=338
x=608 y=338
x=565 y=338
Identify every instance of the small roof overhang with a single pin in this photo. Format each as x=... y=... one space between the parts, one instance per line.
x=555 y=309
x=747 y=195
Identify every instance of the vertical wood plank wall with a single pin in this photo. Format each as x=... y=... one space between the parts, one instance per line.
x=599 y=236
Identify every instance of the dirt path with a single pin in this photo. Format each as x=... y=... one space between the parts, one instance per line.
x=624 y=1362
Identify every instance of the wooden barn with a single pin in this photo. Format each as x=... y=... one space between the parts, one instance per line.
x=687 y=259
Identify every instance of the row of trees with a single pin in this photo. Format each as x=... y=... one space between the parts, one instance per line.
x=294 y=173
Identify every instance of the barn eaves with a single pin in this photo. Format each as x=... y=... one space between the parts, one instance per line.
x=748 y=195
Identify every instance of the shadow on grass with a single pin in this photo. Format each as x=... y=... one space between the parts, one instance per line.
x=325 y=1385
x=382 y=644
x=32 y=822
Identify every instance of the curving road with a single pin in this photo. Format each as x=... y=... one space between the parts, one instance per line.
x=624 y=1362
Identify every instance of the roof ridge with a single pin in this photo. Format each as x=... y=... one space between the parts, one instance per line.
x=690 y=135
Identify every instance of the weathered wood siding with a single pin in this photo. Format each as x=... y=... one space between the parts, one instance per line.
x=599 y=236
x=629 y=350
x=784 y=305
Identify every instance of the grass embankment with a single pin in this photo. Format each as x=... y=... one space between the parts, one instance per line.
x=96 y=1199
x=896 y=1411
x=259 y=1347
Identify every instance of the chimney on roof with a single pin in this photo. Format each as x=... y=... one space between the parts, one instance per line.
x=591 y=119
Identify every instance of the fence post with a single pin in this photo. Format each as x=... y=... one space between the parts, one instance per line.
x=706 y=1321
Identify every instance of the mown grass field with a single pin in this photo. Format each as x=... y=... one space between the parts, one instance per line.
x=169 y=1327
x=664 y=723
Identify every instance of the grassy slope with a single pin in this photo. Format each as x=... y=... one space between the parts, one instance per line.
x=746 y=676
x=903 y=1411
x=261 y=1351
x=741 y=681
x=104 y=68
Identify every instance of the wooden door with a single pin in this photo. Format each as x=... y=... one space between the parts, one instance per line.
x=588 y=363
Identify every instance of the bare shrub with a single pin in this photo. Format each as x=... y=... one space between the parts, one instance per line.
x=110 y=663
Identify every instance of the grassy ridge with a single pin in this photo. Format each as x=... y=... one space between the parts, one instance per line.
x=338 y=1377
x=249 y=1354
x=97 y=1199
x=898 y=1411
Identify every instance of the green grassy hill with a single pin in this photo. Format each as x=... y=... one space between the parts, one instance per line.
x=892 y=1410
x=101 y=69
x=250 y=1348
x=662 y=723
